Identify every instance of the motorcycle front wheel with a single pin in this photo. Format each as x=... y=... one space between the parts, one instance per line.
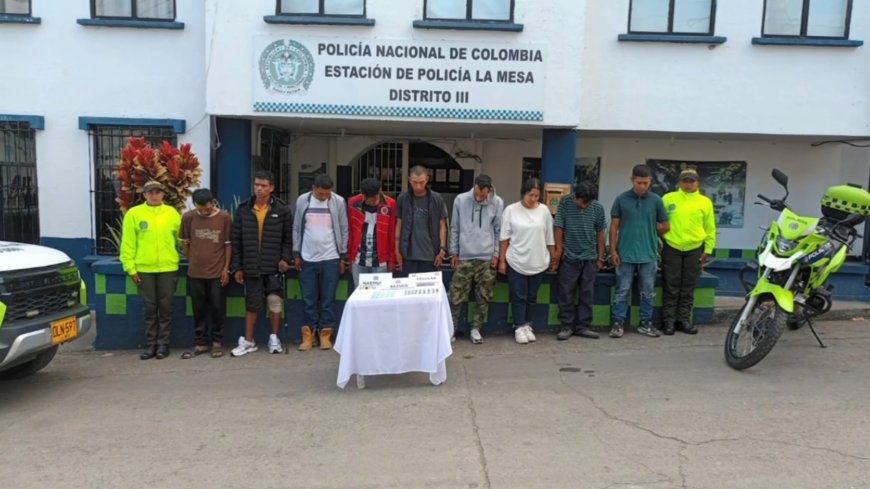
x=763 y=327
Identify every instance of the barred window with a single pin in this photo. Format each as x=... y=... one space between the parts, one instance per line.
x=134 y=9
x=19 y=206
x=107 y=142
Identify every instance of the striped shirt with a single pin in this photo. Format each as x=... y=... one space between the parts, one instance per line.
x=580 y=228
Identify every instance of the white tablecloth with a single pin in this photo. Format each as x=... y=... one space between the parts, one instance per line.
x=393 y=335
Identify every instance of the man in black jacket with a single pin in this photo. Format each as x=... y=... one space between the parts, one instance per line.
x=262 y=236
x=421 y=226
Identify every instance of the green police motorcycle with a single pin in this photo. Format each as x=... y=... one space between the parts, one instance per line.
x=796 y=256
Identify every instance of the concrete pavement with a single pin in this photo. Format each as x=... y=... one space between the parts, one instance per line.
x=636 y=412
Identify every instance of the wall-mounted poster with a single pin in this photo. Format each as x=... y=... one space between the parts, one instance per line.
x=724 y=182
x=585 y=169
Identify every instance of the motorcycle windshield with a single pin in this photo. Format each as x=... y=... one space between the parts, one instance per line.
x=793 y=227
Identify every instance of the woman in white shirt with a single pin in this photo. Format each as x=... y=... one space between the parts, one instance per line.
x=526 y=251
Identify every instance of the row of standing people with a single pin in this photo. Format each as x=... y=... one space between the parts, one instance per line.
x=375 y=233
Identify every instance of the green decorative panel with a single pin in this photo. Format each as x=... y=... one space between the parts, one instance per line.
x=543 y=294
x=130 y=288
x=100 y=283
x=293 y=290
x=188 y=306
x=720 y=253
x=705 y=297
x=748 y=254
x=500 y=293
x=235 y=307
x=181 y=287
x=657 y=300
x=600 y=315
x=341 y=291
x=116 y=304
x=553 y=314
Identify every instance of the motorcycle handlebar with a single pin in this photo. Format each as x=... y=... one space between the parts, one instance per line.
x=765 y=199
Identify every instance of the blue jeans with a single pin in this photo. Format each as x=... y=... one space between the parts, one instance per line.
x=355 y=270
x=318 y=281
x=646 y=273
x=524 y=294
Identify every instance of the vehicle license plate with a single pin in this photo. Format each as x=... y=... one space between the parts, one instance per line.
x=63 y=330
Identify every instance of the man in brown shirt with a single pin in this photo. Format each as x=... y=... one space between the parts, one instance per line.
x=205 y=233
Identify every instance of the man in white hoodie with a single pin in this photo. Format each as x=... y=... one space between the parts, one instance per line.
x=474 y=240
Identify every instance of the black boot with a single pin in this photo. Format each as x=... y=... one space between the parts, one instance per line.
x=668 y=327
x=688 y=327
x=162 y=352
x=150 y=352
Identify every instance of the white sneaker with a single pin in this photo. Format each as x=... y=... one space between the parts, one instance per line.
x=529 y=333
x=244 y=347
x=275 y=344
x=475 y=337
x=520 y=335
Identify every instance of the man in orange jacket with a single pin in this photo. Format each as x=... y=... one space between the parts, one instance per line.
x=371 y=219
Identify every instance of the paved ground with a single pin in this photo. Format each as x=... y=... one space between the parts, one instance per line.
x=630 y=413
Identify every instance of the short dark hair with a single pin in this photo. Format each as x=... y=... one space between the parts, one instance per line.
x=370 y=187
x=322 y=181
x=265 y=175
x=202 y=196
x=586 y=191
x=530 y=184
x=641 y=171
x=483 y=181
x=418 y=170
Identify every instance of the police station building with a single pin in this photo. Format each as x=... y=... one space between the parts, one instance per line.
x=563 y=90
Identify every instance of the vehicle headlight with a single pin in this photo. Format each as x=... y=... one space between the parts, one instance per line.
x=785 y=245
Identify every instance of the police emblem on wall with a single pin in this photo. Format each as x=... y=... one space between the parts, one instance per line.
x=286 y=67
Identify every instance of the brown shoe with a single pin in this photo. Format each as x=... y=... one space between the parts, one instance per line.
x=307 y=339
x=326 y=339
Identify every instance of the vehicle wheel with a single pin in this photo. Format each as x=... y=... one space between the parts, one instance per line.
x=763 y=328
x=31 y=367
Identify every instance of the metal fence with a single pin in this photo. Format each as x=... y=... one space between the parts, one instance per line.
x=19 y=203
x=106 y=145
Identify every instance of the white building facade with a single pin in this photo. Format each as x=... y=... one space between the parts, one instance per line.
x=563 y=90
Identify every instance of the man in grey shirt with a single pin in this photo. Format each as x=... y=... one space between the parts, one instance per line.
x=421 y=226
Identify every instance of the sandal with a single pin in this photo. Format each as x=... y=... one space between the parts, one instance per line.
x=216 y=351
x=193 y=353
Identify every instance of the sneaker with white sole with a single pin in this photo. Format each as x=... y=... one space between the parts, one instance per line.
x=475 y=337
x=520 y=335
x=529 y=333
x=275 y=344
x=244 y=347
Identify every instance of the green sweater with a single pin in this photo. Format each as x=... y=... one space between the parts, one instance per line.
x=149 y=239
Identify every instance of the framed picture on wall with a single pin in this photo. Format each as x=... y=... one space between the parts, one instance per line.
x=585 y=169
x=724 y=182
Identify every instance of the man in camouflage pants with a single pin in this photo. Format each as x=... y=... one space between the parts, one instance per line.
x=474 y=232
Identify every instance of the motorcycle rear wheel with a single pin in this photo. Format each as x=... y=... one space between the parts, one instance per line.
x=759 y=334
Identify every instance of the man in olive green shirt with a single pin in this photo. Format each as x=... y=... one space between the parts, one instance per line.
x=691 y=239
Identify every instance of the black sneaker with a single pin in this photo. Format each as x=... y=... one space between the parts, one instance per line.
x=564 y=333
x=586 y=333
x=647 y=328
x=616 y=330
x=688 y=328
x=668 y=327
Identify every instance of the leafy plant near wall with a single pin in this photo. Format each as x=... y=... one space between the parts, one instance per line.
x=176 y=168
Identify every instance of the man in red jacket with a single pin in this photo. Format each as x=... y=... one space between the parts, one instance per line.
x=371 y=217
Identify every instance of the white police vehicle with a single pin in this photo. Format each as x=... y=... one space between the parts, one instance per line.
x=42 y=304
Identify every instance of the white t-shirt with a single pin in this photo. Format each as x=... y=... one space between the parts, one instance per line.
x=318 y=242
x=530 y=232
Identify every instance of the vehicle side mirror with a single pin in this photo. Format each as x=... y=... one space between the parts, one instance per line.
x=780 y=177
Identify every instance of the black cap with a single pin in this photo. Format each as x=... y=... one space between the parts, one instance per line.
x=483 y=181
x=689 y=173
